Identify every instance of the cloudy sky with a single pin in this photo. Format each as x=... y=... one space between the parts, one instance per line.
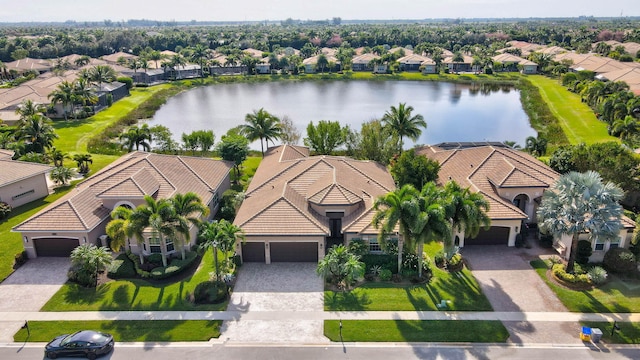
x=230 y=10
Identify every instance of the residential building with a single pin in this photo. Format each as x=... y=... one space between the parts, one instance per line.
x=21 y=182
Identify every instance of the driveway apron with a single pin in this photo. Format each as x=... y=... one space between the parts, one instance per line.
x=29 y=288
x=277 y=287
x=511 y=284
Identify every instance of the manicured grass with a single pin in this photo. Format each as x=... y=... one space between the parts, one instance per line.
x=576 y=119
x=614 y=296
x=629 y=333
x=130 y=330
x=416 y=331
x=135 y=294
x=10 y=242
x=461 y=289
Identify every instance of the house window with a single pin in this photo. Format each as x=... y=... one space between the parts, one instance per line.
x=614 y=243
x=374 y=246
x=216 y=200
x=599 y=244
x=154 y=246
x=169 y=244
x=22 y=194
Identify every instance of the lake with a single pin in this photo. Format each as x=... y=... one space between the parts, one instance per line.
x=453 y=112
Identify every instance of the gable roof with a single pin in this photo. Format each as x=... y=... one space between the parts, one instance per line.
x=486 y=168
x=289 y=183
x=130 y=177
x=14 y=171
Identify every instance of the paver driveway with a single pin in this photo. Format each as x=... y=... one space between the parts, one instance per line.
x=29 y=288
x=277 y=287
x=511 y=284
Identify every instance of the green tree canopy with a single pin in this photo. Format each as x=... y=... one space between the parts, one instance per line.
x=235 y=148
x=414 y=169
x=326 y=137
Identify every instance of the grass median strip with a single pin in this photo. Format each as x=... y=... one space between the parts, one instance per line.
x=125 y=330
x=416 y=331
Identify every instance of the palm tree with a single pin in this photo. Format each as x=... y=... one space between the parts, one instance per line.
x=102 y=74
x=231 y=234
x=322 y=62
x=91 y=259
x=211 y=236
x=63 y=95
x=176 y=62
x=61 y=175
x=199 y=54
x=29 y=108
x=155 y=56
x=536 y=146
x=58 y=156
x=341 y=265
x=82 y=61
x=120 y=228
x=396 y=209
x=189 y=209
x=261 y=125
x=512 y=144
x=37 y=132
x=137 y=136
x=430 y=223
x=466 y=210
x=158 y=216
x=581 y=203
x=83 y=93
x=401 y=123
x=83 y=161
x=625 y=128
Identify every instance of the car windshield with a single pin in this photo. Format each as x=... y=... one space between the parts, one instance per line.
x=67 y=339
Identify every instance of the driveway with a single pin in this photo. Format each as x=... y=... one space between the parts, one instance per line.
x=511 y=285
x=272 y=289
x=29 y=288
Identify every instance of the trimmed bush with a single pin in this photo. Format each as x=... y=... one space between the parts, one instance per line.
x=389 y=262
x=385 y=275
x=358 y=247
x=619 y=260
x=19 y=259
x=5 y=210
x=126 y=80
x=155 y=258
x=210 y=292
x=597 y=275
x=560 y=273
x=584 y=252
x=121 y=267
x=439 y=259
x=175 y=267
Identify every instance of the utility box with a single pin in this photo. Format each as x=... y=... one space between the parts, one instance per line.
x=596 y=334
x=585 y=333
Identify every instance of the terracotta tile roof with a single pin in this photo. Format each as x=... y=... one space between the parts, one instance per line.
x=285 y=188
x=508 y=58
x=486 y=168
x=130 y=177
x=14 y=171
x=364 y=58
x=113 y=58
x=26 y=64
x=413 y=59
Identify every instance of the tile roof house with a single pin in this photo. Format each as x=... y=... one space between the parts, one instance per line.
x=512 y=182
x=82 y=215
x=28 y=64
x=364 y=63
x=412 y=62
x=298 y=205
x=510 y=63
x=310 y=63
x=22 y=182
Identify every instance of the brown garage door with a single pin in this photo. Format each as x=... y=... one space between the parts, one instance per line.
x=59 y=247
x=253 y=252
x=496 y=235
x=294 y=251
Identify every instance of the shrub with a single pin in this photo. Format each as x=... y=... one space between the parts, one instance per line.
x=584 y=252
x=598 y=275
x=410 y=262
x=560 y=273
x=619 y=260
x=81 y=277
x=19 y=259
x=210 y=292
x=439 y=259
x=126 y=80
x=375 y=270
x=358 y=247
x=389 y=262
x=455 y=261
x=121 y=267
x=155 y=258
x=175 y=267
x=555 y=259
x=385 y=275
x=5 y=210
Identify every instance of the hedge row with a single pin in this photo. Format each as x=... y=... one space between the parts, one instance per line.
x=176 y=266
x=559 y=272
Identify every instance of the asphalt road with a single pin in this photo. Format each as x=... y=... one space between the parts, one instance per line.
x=348 y=351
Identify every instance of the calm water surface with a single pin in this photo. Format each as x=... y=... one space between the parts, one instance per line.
x=453 y=112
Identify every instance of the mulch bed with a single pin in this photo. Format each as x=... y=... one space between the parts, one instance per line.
x=568 y=285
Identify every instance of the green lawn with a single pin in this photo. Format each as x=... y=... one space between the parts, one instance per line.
x=461 y=289
x=629 y=333
x=11 y=243
x=133 y=330
x=416 y=331
x=614 y=296
x=136 y=294
x=577 y=120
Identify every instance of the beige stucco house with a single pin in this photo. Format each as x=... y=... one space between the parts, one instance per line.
x=21 y=182
x=81 y=216
x=298 y=205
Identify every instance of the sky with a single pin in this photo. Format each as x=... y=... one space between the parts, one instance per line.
x=250 y=10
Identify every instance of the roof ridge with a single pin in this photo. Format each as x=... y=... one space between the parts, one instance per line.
x=348 y=163
x=84 y=223
x=194 y=173
x=276 y=175
x=160 y=173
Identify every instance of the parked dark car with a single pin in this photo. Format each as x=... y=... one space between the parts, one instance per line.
x=87 y=343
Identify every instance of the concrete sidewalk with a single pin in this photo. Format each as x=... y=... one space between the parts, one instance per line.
x=319 y=315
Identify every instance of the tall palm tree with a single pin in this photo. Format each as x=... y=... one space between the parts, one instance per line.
x=210 y=237
x=120 y=228
x=137 y=136
x=102 y=74
x=230 y=235
x=581 y=203
x=83 y=94
x=159 y=217
x=29 y=108
x=536 y=146
x=396 y=208
x=261 y=125
x=155 y=56
x=189 y=209
x=400 y=121
x=466 y=210
x=176 y=62
x=37 y=132
x=83 y=161
x=63 y=95
x=58 y=156
x=199 y=54
x=430 y=223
